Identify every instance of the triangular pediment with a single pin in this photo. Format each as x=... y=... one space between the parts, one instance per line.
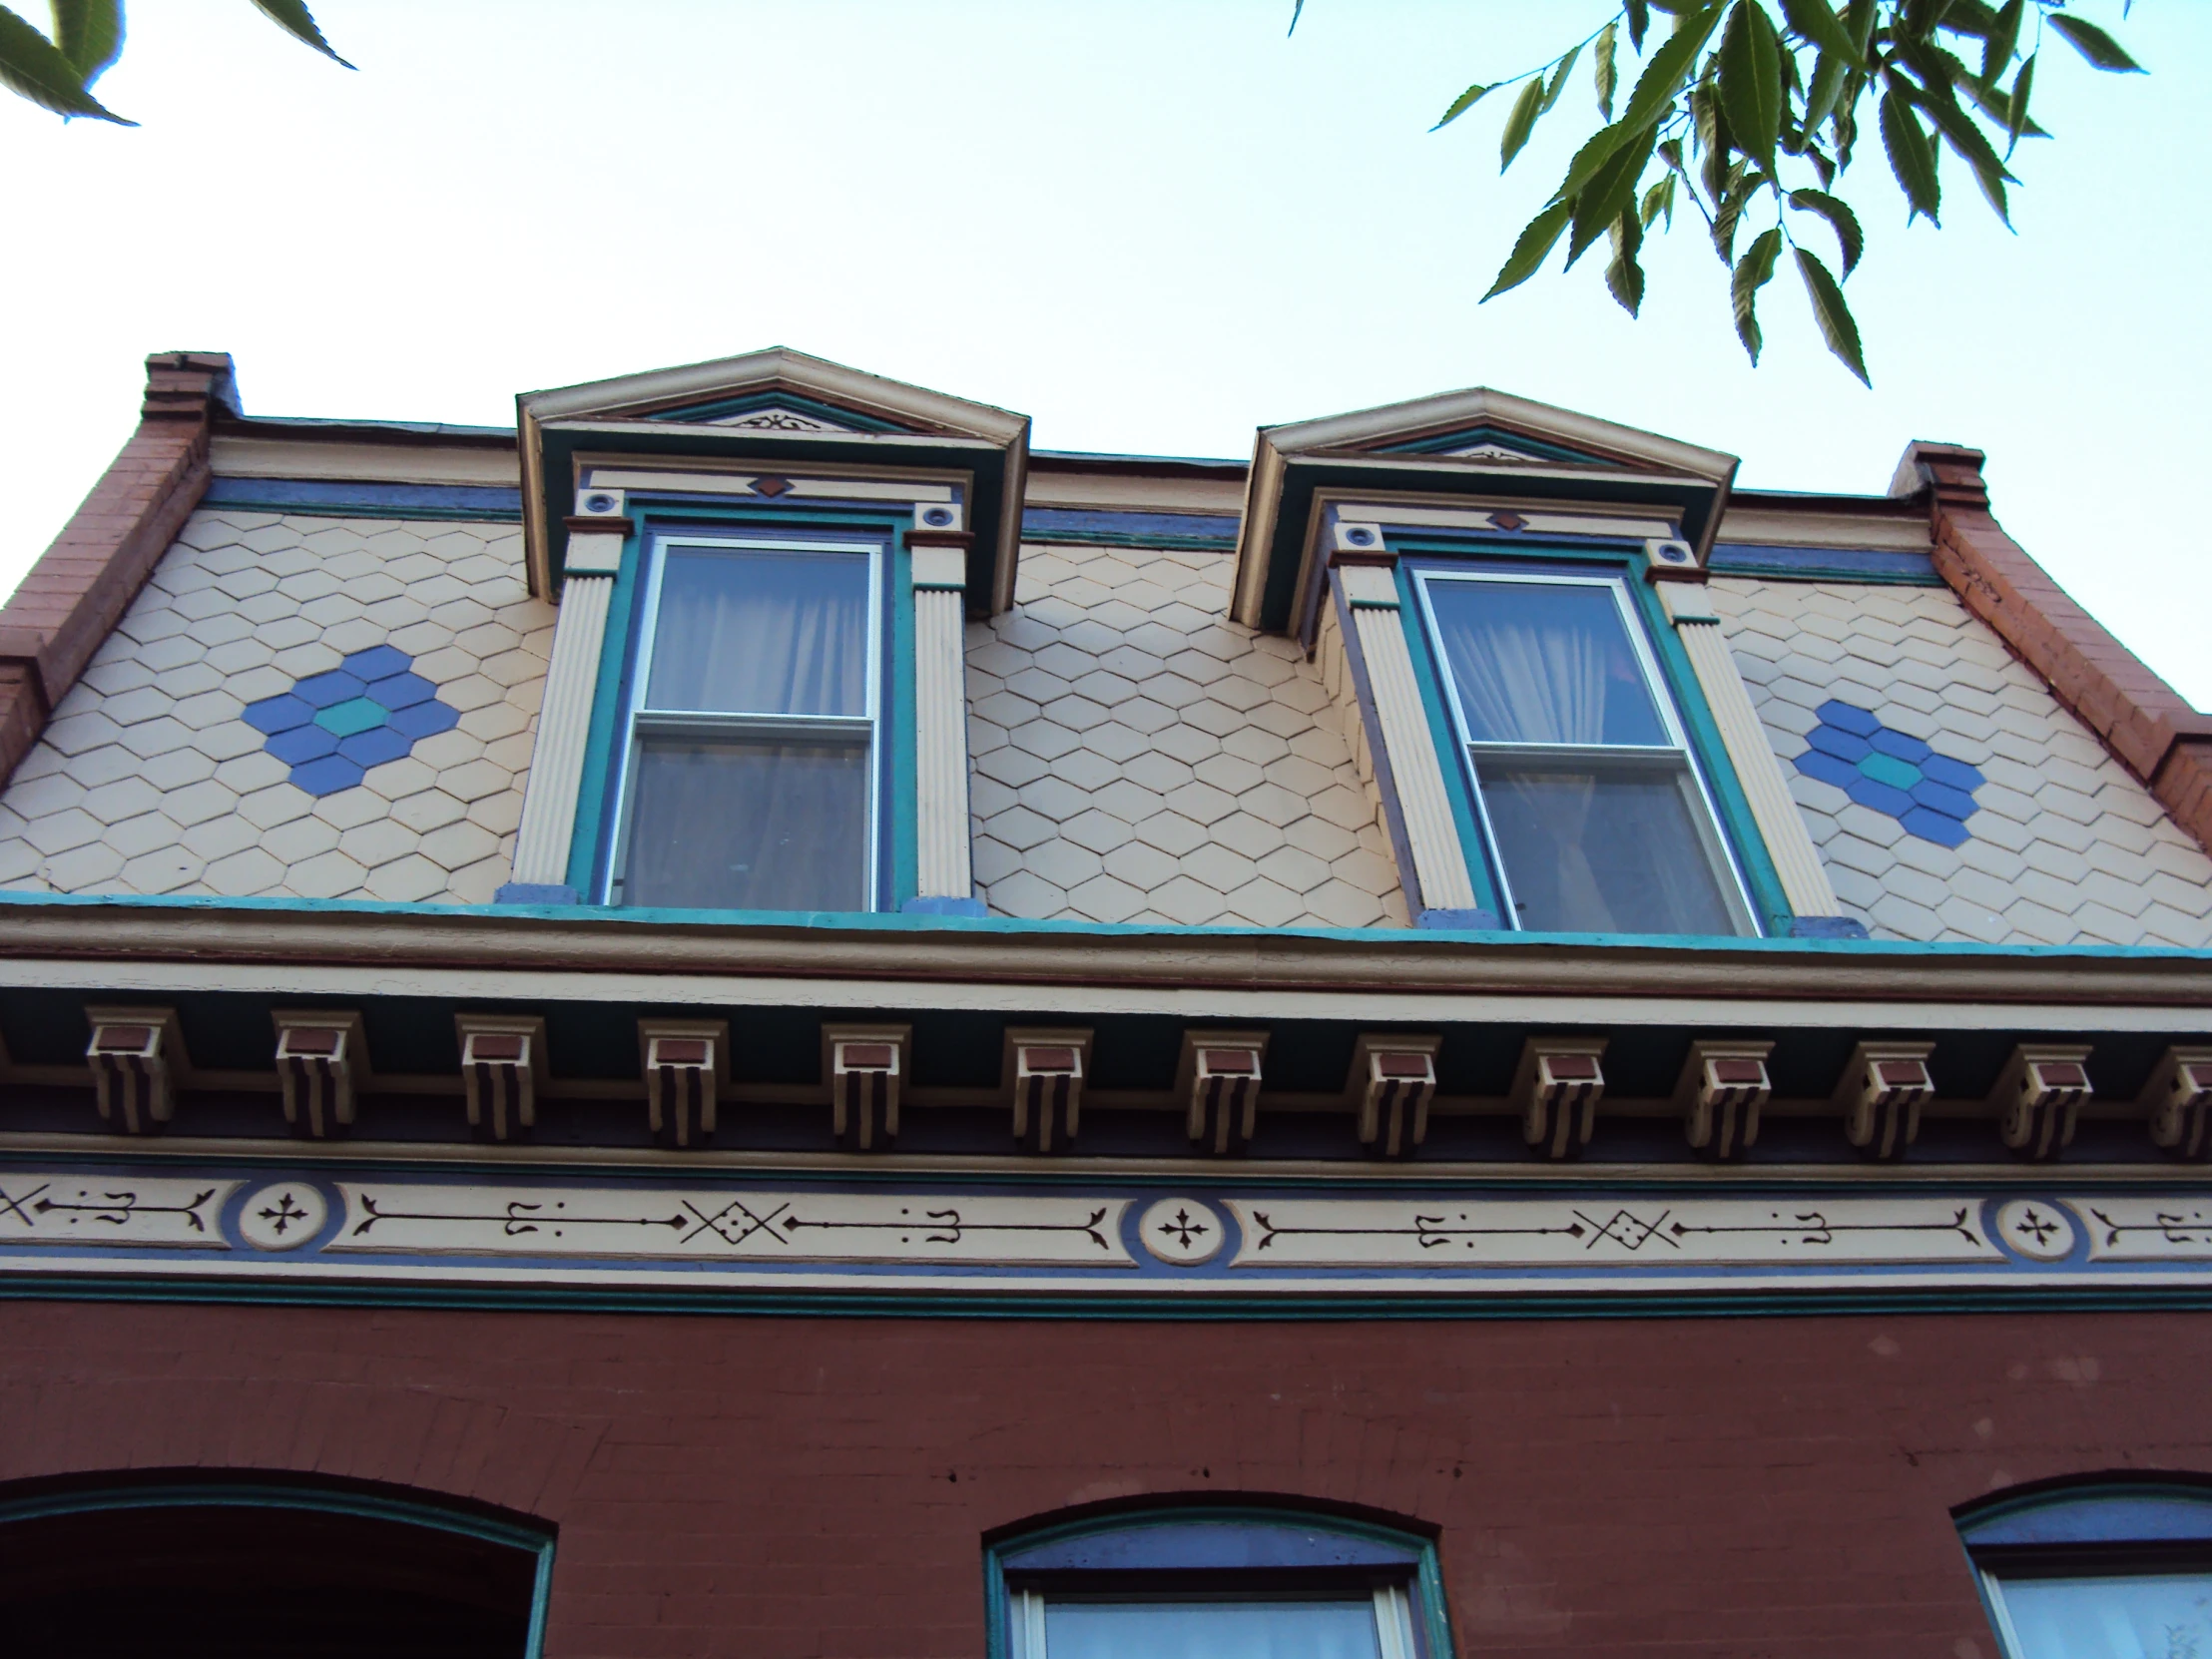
x=1483 y=426
x=778 y=391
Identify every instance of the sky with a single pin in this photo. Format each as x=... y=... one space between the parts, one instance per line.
x=1151 y=225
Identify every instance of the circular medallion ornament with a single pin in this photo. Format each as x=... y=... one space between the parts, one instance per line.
x=1182 y=1231
x=284 y=1216
x=2040 y=1231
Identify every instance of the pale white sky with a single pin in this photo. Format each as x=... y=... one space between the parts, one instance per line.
x=1152 y=225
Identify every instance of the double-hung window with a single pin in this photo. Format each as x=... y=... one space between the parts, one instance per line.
x=1595 y=817
x=751 y=749
x=2099 y=1572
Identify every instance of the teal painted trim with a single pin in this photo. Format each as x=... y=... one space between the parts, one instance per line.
x=247 y=502
x=881 y=921
x=1108 y=538
x=589 y=836
x=1434 y=1622
x=1770 y=905
x=1451 y=759
x=900 y=726
x=1165 y=1304
x=218 y=1493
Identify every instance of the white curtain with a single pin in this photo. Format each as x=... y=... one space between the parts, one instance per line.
x=748 y=630
x=1211 y=1630
x=1543 y=662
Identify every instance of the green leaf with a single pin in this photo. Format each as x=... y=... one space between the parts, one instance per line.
x=1465 y=102
x=1624 y=275
x=1744 y=182
x=1751 y=80
x=1841 y=220
x=1911 y=158
x=1608 y=74
x=2094 y=44
x=1559 y=73
x=2016 y=121
x=1661 y=81
x=1816 y=24
x=1527 y=108
x=1834 y=316
x=1753 y=272
x=1639 y=19
x=1829 y=76
x=294 y=19
x=1534 y=246
x=1859 y=21
x=1658 y=200
x=1966 y=139
x=1998 y=45
x=1714 y=142
x=1298 y=10
x=90 y=35
x=33 y=67
x=1609 y=194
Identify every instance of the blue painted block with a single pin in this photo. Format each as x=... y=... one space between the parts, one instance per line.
x=327 y=775
x=303 y=743
x=378 y=661
x=401 y=691
x=423 y=720
x=1459 y=922
x=1847 y=717
x=1902 y=745
x=1833 y=739
x=279 y=714
x=336 y=685
x=1935 y=827
x=943 y=907
x=374 y=746
x=1828 y=769
x=1882 y=797
x=534 y=892
x=1827 y=928
x=1942 y=798
x=1959 y=775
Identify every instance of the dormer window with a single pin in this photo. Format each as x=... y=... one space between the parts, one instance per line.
x=1585 y=788
x=751 y=773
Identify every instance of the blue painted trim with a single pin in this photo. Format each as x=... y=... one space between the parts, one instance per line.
x=344 y=498
x=2151 y=1511
x=1192 y=532
x=535 y=892
x=1190 y=1540
x=1451 y=759
x=218 y=1492
x=1460 y=921
x=1827 y=928
x=1410 y=1551
x=945 y=908
x=1823 y=564
x=892 y=921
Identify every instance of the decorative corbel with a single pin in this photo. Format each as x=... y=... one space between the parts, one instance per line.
x=1393 y=1078
x=1044 y=1073
x=1881 y=1095
x=137 y=1057
x=1217 y=1081
x=2039 y=1095
x=503 y=1065
x=2179 y=1090
x=321 y=1066
x=1722 y=1087
x=864 y=1065
x=1556 y=1088
x=687 y=1066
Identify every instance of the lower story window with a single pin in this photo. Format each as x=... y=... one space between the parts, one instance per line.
x=2098 y=1570
x=2151 y=1616
x=1221 y=1626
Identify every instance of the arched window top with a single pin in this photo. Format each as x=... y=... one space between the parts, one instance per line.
x=2092 y=1515
x=1245 y=1582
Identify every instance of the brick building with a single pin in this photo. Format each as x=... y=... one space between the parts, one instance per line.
x=751 y=1019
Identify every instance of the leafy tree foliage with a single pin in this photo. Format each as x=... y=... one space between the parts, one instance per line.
x=57 y=72
x=1745 y=114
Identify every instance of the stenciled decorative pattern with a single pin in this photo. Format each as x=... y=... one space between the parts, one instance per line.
x=1115 y=1238
x=331 y=728
x=1891 y=772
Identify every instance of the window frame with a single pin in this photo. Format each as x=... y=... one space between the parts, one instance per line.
x=1407 y=1588
x=875 y=727
x=1710 y=824
x=2100 y=1529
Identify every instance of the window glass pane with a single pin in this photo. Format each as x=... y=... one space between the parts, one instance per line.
x=1543 y=662
x=750 y=631
x=749 y=826
x=1605 y=848
x=1210 y=1630
x=2158 y=1616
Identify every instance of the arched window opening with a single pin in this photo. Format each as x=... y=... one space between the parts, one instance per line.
x=1216 y=1583
x=2111 y=1571
x=198 y=1570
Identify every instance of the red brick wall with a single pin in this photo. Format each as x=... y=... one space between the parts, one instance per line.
x=786 y=1489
